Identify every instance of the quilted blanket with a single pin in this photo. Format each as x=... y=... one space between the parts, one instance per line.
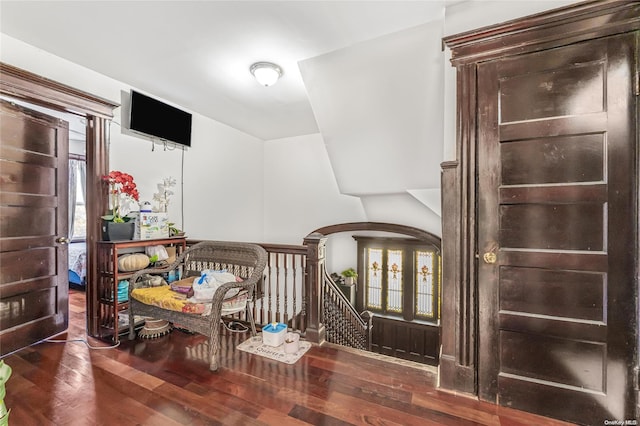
x=166 y=298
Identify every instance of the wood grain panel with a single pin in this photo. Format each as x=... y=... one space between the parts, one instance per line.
x=412 y=341
x=15 y=222
x=19 y=287
x=553 y=360
x=36 y=137
x=553 y=226
x=553 y=194
x=568 y=159
x=26 y=200
x=574 y=89
x=15 y=244
x=12 y=339
x=553 y=326
x=562 y=294
x=42 y=262
x=27 y=178
x=554 y=127
x=27 y=307
x=544 y=399
x=555 y=259
x=21 y=156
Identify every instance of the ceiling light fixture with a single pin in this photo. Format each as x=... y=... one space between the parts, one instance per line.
x=266 y=73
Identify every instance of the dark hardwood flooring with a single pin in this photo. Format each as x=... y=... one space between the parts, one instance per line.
x=166 y=381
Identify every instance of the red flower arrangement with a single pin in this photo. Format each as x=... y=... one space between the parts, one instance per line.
x=122 y=189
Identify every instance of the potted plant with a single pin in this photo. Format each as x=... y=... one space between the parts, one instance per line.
x=350 y=275
x=163 y=196
x=175 y=231
x=338 y=279
x=5 y=373
x=116 y=225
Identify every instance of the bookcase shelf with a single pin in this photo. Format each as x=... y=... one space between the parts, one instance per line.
x=109 y=277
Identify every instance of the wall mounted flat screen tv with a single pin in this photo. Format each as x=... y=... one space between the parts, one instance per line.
x=155 y=118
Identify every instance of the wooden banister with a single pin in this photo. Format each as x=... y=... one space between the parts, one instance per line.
x=316 y=253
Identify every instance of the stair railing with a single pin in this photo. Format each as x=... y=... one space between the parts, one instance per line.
x=343 y=324
x=296 y=290
x=330 y=315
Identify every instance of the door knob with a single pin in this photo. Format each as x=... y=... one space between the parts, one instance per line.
x=489 y=257
x=62 y=240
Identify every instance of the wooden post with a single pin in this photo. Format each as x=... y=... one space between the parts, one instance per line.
x=457 y=357
x=316 y=248
x=367 y=316
x=96 y=204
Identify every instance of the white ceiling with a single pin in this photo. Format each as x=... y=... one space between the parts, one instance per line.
x=197 y=54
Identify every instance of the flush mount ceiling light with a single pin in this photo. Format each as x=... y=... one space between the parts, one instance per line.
x=266 y=73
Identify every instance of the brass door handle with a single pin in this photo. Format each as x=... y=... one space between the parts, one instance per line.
x=489 y=257
x=62 y=240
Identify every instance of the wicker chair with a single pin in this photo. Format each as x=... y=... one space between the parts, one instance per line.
x=242 y=259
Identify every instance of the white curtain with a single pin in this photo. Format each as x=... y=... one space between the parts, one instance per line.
x=77 y=176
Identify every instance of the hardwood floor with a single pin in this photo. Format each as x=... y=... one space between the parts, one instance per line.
x=166 y=381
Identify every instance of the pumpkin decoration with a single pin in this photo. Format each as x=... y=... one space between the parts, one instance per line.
x=133 y=262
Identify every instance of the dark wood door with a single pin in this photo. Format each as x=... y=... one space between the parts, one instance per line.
x=33 y=219
x=557 y=208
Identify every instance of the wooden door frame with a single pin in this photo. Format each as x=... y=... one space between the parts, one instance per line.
x=558 y=27
x=37 y=90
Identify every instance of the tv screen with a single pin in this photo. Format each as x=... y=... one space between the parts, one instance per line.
x=155 y=118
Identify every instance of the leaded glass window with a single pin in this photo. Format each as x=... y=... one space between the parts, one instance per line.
x=394 y=280
x=425 y=300
x=374 y=279
x=402 y=278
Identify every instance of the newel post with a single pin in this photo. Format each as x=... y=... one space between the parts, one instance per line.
x=316 y=248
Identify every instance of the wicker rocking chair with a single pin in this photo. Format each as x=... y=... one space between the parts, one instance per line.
x=242 y=259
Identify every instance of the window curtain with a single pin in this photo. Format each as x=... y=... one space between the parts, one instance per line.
x=77 y=176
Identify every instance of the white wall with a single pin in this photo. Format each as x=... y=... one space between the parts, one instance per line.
x=405 y=210
x=474 y=14
x=378 y=107
x=300 y=190
x=223 y=184
x=301 y=195
x=223 y=169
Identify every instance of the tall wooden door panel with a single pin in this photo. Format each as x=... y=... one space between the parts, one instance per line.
x=557 y=230
x=33 y=219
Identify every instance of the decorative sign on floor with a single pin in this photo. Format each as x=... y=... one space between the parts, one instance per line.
x=254 y=345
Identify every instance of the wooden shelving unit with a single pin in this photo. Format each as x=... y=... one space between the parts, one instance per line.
x=109 y=276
